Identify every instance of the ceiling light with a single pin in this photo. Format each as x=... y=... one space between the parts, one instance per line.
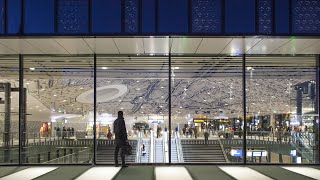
x=176 y=68
x=162 y=97
x=37 y=106
x=104 y=68
x=160 y=112
x=180 y=107
x=108 y=81
x=257 y=84
x=11 y=108
x=204 y=100
x=43 y=89
x=226 y=104
x=287 y=105
x=162 y=87
x=208 y=93
x=219 y=82
x=120 y=100
x=27 y=83
x=140 y=97
x=138 y=89
x=59 y=111
x=138 y=81
x=64 y=100
x=161 y=106
x=78 y=108
x=121 y=108
x=141 y=107
x=40 y=110
x=231 y=98
x=151 y=54
x=81 y=87
x=141 y=112
x=32 y=69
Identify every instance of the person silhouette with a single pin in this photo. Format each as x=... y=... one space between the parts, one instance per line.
x=121 y=138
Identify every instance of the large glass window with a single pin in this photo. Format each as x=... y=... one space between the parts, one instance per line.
x=138 y=86
x=59 y=110
x=9 y=109
x=281 y=114
x=206 y=109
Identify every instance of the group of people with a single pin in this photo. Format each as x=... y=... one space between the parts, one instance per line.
x=65 y=132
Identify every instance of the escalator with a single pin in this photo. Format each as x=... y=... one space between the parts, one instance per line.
x=146 y=157
x=174 y=151
x=158 y=149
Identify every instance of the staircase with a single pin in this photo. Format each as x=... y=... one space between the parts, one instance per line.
x=174 y=153
x=105 y=152
x=145 y=158
x=158 y=151
x=198 y=151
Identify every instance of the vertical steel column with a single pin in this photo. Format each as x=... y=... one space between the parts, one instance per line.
x=7 y=121
x=169 y=142
x=21 y=108
x=244 y=151
x=95 y=107
x=317 y=109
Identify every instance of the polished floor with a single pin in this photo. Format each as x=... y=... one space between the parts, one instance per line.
x=159 y=172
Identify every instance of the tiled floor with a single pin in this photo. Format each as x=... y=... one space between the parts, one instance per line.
x=159 y=172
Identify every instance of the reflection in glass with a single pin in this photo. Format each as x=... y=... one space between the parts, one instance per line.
x=281 y=115
x=206 y=109
x=58 y=124
x=9 y=110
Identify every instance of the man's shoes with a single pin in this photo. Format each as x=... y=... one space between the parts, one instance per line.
x=124 y=165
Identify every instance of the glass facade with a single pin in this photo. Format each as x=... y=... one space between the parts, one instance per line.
x=178 y=108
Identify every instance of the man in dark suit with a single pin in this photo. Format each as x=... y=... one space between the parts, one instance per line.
x=119 y=129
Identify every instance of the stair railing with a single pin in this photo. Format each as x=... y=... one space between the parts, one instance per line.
x=179 y=148
x=138 y=150
x=223 y=151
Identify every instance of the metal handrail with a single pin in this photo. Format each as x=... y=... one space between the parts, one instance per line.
x=179 y=147
x=138 y=150
x=164 y=149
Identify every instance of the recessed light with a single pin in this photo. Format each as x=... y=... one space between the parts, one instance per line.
x=54 y=95
x=78 y=108
x=219 y=82
x=32 y=69
x=231 y=98
x=180 y=107
x=43 y=89
x=64 y=100
x=161 y=106
x=204 y=100
x=140 y=97
x=108 y=81
x=120 y=100
x=138 y=81
x=142 y=107
x=59 y=111
x=151 y=54
x=162 y=97
x=104 y=68
x=141 y=112
x=121 y=108
x=226 y=104
x=138 y=89
x=81 y=87
x=162 y=87
x=27 y=83
x=208 y=93
x=176 y=68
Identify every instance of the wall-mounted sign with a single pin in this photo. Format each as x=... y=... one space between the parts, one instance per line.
x=293 y=152
x=236 y=152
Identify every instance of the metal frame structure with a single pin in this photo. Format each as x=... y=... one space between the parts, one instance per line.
x=22 y=113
